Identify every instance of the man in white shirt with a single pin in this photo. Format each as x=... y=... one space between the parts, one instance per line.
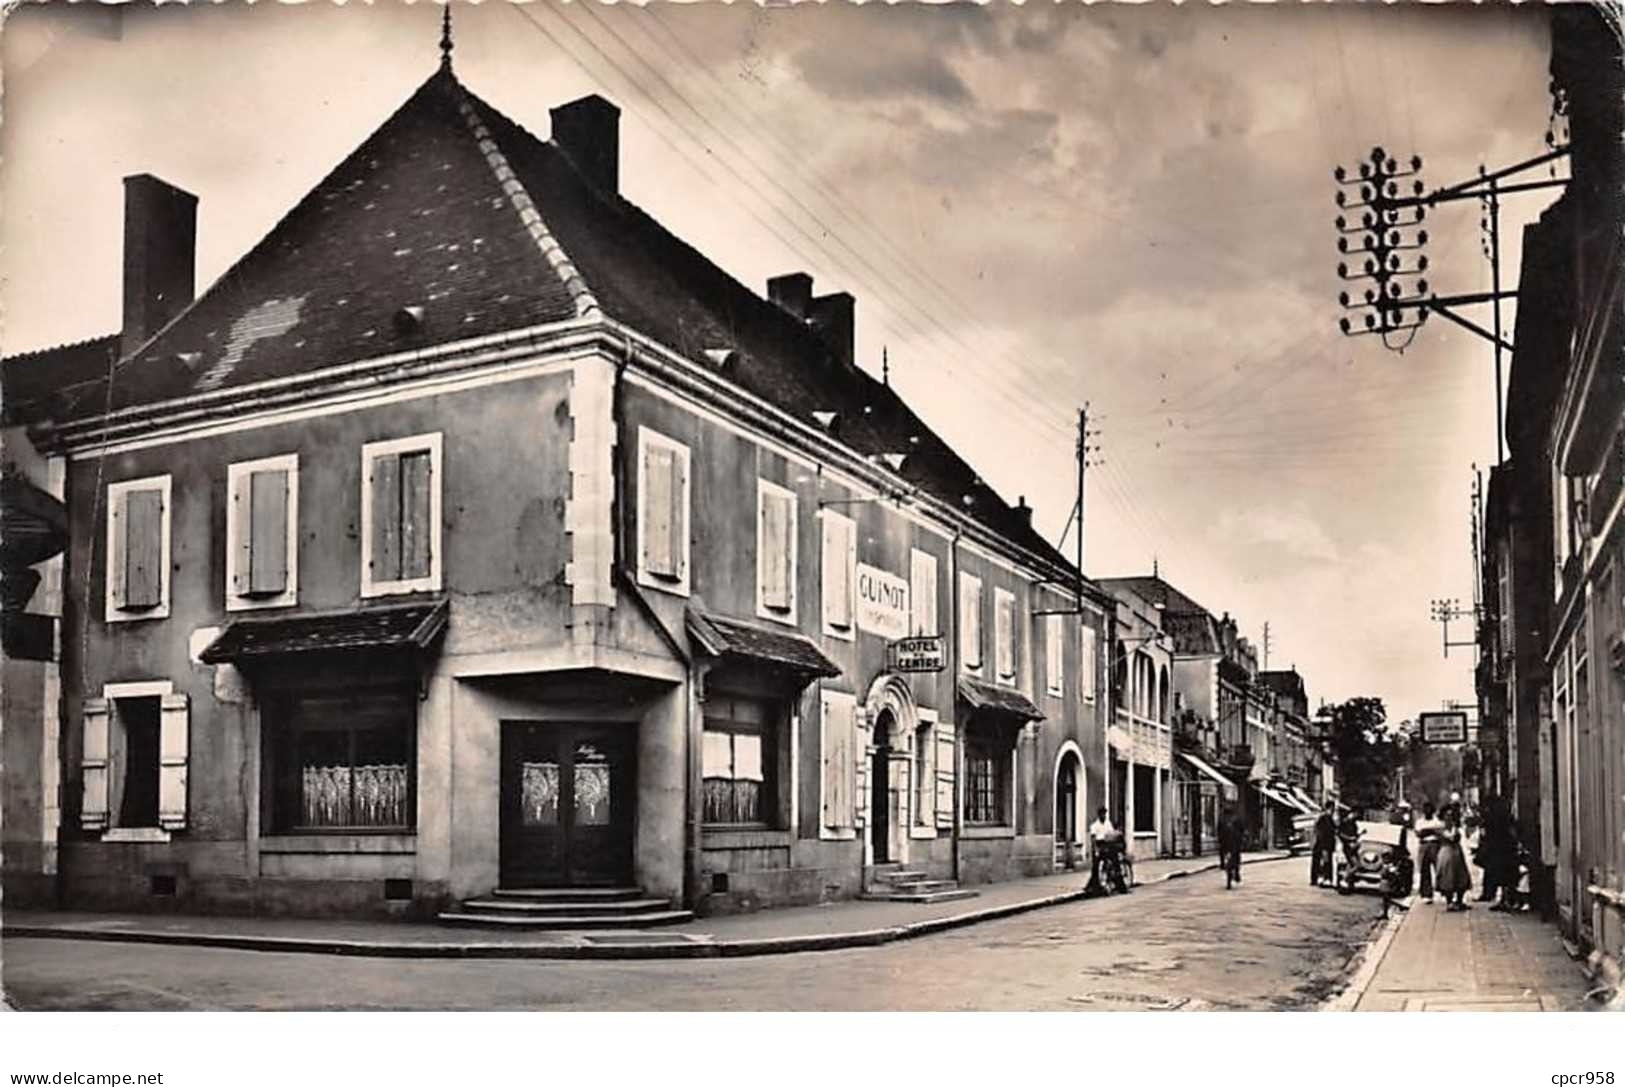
x=1101 y=830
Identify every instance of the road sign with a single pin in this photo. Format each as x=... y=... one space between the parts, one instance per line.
x=1449 y=727
x=920 y=654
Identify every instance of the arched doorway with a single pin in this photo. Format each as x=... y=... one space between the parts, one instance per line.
x=895 y=718
x=1070 y=809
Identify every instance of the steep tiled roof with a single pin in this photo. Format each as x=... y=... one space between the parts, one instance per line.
x=34 y=386
x=414 y=217
x=426 y=213
x=1157 y=591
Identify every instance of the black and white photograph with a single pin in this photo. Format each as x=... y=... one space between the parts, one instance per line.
x=887 y=507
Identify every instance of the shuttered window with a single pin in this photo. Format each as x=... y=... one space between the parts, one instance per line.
x=1086 y=664
x=970 y=622
x=839 y=572
x=261 y=564
x=837 y=744
x=775 y=551
x=138 y=549
x=922 y=592
x=663 y=512
x=401 y=515
x=1004 y=635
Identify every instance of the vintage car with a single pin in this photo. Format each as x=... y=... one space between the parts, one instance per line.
x=1380 y=858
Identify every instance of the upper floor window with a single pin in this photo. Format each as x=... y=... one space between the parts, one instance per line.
x=775 y=552
x=970 y=623
x=1006 y=634
x=1053 y=671
x=663 y=512
x=840 y=558
x=1086 y=663
x=138 y=514
x=922 y=592
x=262 y=533
x=400 y=516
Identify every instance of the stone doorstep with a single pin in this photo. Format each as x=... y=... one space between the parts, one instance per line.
x=582 y=945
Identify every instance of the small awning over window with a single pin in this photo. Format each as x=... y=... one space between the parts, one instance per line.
x=1208 y=770
x=1305 y=801
x=726 y=637
x=985 y=696
x=382 y=626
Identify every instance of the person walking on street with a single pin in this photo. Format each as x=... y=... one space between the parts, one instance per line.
x=1231 y=832
x=1320 y=863
x=1496 y=847
x=1429 y=828
x=1454 y=880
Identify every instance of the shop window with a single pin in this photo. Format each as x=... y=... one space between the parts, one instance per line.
x=343 y=761
x=262 y=533
x=739 y=761
x=138 y=545
x=987 y=776
x=775 y=552
x=400 y=515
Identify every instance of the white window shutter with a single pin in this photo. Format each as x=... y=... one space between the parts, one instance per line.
x=775 y=544
x=242 y=509
x=1052 y=653
x=945 y=775
x=922 y=593
x=93 y=769
x=837 y=752
x=1086 y=664
x=838 y=554
x=679 y=515
x=970 y=623
x=657 y=509
x=174 y=729
x=1004 y=614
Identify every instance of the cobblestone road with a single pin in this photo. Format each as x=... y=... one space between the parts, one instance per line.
x=1274 y=942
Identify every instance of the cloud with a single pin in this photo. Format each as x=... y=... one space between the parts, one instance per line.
x=903 y=70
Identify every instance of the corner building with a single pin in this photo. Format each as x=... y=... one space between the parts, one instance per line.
x=475 y=532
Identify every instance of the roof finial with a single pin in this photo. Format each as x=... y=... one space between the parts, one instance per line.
x=1155 y=572
x=885 y=367
x=445 y=37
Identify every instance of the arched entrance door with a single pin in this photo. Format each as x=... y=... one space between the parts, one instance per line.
x=881 y=789
x=1069 y=787
x=895 y=722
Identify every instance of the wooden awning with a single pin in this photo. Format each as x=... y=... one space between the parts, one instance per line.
x=988 y=698
x=407 y=627
x=744 y=641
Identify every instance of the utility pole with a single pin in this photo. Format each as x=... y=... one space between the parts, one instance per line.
x=1266 y=645
x=1443 y=612
x=1393 y=308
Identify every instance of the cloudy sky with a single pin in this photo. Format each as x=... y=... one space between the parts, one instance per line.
x=1034 y=207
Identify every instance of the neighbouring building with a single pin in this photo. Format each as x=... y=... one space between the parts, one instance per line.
x=473 y=531
x=1140 y=736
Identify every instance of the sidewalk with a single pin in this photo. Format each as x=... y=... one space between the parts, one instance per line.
x=766 y=932
x=1430 y=960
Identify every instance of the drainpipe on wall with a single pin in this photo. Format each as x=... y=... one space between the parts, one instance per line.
x=953 y=698
x=621 y=518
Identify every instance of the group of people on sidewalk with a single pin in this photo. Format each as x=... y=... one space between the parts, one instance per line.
x=1442 y=835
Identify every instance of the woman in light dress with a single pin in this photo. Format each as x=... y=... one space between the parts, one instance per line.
x=1454 y=879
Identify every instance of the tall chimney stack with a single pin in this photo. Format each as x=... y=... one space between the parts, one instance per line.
x=792 y=293
x=831 y=317
x=588 y=130
x=160 y=254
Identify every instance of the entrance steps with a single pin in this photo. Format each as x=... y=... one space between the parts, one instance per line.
x=566 y=908
x=894 y=883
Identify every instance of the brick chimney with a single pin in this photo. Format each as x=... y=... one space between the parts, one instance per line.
x=792 y=293
x=831 y=319
x=1024 y=511
x=160 y=254
x=588 y=130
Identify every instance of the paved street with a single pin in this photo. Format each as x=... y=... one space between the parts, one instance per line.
x=1272 y=943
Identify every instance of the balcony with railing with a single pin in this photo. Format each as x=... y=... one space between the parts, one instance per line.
x=1141 y=739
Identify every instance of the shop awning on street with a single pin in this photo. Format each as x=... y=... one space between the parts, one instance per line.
x=383 y=626
x=1204 y=768
x=1275 y=795
x=985 y=696
x=1307 y=801
x=726 y=637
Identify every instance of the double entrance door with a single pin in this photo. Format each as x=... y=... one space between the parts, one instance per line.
x=568 y=792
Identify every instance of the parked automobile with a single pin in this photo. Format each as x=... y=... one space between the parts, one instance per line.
x=1303 y=834
x=1381 y=858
